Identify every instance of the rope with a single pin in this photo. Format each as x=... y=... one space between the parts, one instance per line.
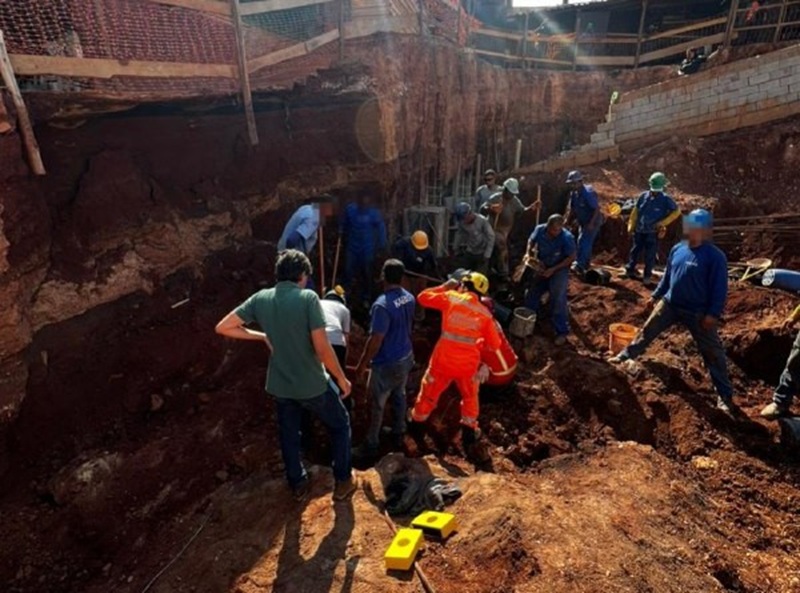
x=161 y=572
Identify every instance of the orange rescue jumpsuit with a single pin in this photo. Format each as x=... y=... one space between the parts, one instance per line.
x=467 y=328
x=502 y=362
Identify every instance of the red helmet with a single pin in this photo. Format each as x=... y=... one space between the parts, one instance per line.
x=488 y=302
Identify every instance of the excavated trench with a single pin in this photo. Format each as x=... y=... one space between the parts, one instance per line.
x=154 y=223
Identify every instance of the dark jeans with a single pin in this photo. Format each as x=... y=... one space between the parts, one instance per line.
x=472 y=262
x=646 y=243
x=388 y=381
x=789 y=385
x=358 y=270
x=557 y=286
x=665 y=316
x=296 y=241
x=329 y=408
x=586 y=239
x=341 y=356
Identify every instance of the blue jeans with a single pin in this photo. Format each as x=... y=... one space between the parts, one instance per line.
x=586 y=240
x=647 y=243
x=665 y=316
x=329 y=408
x=388 y=381
x=358 y=269
x=556 y=285
x=789 y=384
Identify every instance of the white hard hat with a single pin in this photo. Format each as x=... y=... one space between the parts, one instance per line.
x=512 y=185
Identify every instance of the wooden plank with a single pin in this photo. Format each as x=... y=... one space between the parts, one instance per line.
x=606 y=60
x=366 y=27
x=781 y=18
x=104 y=68
x=25 y=125
x=730 y=24
x=210 y=6
x=244 y=75
x=688 y=29
x=681 y=48
x=293 y=51
x=272 y=5
x=641 y=33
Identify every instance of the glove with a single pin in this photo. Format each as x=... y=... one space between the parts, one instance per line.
x=483 y=374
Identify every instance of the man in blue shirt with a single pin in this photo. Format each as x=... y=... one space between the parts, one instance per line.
x=692 y=292
x=389 y=356
x=583 y=205
x=301 y=230
x=554 y=248
x=364 y=234
x=653 y=212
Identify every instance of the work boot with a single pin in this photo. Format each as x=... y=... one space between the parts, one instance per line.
x=618 y=359
x=727 y=407
x=344 y=489
x=414 y=441
x=560 y=340
x=648 y=282
x=475 y=449
x=302 y=490
x=577 y=269
x=632 y=274
x=774 y=411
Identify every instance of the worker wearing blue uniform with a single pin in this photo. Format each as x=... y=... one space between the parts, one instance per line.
x=692 y=292
x=364 y=233
x=554 y=248
x=302 y=228
x=653 y=212
x=584 y=206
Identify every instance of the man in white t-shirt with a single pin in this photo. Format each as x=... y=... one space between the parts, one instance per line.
x=337 y=322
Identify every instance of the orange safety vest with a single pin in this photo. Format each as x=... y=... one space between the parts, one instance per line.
x=502 y=362
x=467 y=328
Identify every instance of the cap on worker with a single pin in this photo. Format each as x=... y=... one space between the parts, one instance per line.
x=336 y=294
x=420 y=240
x=658 y=181
x=476 y=281
x=512 y=185
x=490 y=173
x=462 y=210
x=458 y=274
x=574 y=176
x=698 y=219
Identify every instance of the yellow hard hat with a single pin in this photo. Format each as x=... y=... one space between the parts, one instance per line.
x=420 y=240
x=479 y=282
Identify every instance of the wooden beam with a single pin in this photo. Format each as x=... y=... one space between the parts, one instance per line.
x=726 y=43
x=293 y=51
x=576 y=47
x=688 y=28
x=273 y=5
x=104 y=68
x=606 y=60
x=25 y=125
x=681 y=48
x=244 y=75
x=781 y=19
x=524 y=49
x=210 y=6
x=642 y=22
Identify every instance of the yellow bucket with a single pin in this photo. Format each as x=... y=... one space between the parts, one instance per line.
x=613 y=210
x=619 y=336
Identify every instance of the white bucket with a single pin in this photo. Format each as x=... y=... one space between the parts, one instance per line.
x=523 y=322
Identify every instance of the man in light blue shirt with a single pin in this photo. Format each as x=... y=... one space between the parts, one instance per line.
x=302 y=228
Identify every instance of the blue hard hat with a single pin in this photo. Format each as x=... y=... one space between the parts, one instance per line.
x=698 y=219
x=462 y=210
x=574 y=176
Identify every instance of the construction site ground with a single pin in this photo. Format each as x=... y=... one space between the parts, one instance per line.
x=602 y=480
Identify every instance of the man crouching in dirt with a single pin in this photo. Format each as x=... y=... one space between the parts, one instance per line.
x=692 y=292
x=789 y=385
x=294 y=330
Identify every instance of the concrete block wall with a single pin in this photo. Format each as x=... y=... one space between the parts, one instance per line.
x=732 y=96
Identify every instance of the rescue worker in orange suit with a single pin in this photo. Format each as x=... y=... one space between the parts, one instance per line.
x=467 y=328
x=498 y=366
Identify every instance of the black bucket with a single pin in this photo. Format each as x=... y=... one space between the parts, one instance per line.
x=598 y=277
x=503 y=314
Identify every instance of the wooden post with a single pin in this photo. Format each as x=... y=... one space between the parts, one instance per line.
x=781 y=18
x=244 y=75
x=642 y=22
x=321 y=242
x=478 y=172
x=25 y=126
x=524 y=50
x=731 y=23
x=518 y=154
x=577 y=39
x=458 y=25
x=341 y=29
x=421 y=16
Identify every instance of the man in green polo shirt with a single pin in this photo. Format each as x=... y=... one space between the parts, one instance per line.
x=293 y=328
